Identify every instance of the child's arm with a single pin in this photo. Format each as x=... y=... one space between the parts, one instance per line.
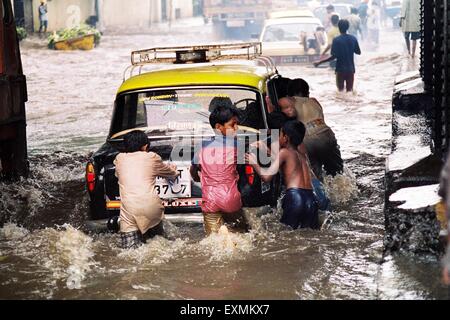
x=115 y=162
x=262 y=146
x=195 y=167
x=163 y=169
x=266 y=174
x=194 y=170
x=272 y=152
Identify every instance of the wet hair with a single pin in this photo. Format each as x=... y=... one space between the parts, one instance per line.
x=330 y=7
x=295 y=130
x=220 y=102
x=222 y=114
x=277 y=119
x=281 y=86
x=134 y=141
x=252 y=116
x=334 y=19
x=343 y=25
x=298 y=87
x=354 y=10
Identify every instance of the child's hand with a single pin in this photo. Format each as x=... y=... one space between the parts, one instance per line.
x=258 y=144
x=174 y=168
x=251 y=159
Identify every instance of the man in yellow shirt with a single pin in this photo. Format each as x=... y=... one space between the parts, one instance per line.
x=332 y=33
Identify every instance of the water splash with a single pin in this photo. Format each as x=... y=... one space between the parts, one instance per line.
x=157 y=251
x=342 y=188
x=226 y=245
x=75 y=249
x=64 y=253
x=11 y=231
x=51 y=177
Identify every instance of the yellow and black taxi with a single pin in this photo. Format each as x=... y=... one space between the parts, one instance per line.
x=170 y=103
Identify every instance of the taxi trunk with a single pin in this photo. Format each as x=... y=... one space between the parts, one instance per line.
x=182 y=195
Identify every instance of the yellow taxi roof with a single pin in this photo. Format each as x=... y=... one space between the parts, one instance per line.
x=243 y=74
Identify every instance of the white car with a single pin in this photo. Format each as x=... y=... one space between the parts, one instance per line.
x=342 y=9
x=293 y=39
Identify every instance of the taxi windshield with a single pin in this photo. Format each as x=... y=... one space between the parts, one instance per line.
x=181 y=111
x=288 y=31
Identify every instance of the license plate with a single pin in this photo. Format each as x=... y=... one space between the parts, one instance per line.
x=179 y=203
x=295 y=59
x=236 y=23
x=179 y=188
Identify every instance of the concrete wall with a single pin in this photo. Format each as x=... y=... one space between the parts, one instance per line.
x=114 y=14
x=119 y=14
x=130 y=13
x=64 y=13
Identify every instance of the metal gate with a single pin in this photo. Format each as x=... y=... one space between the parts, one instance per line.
x=434 y=68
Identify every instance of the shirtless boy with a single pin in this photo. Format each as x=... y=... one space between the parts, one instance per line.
x=299 y=205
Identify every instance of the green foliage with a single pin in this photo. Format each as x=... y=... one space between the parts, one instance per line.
x=66 y=34
x=21 y=33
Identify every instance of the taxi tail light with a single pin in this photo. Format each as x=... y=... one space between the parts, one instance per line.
x=250 y=173
x=90 y=177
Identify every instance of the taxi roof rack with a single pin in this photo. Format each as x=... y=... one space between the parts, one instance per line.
x=182 y=55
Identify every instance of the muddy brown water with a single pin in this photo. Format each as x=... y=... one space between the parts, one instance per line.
x=45 y=253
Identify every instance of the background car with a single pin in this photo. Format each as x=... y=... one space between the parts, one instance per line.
x=293 y=37
x=171 y=105
x=393 y=11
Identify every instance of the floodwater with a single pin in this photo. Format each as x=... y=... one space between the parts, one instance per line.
x=45 y=253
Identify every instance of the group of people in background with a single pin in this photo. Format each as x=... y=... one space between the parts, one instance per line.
x=343 y=48
x=364 y=22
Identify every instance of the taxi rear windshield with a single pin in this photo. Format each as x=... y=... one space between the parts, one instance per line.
x=179 y=110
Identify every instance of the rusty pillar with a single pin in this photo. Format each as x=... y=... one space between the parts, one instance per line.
x=13 y=95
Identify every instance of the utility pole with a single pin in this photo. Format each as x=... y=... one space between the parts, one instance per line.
x=170 y=12
x=150 y=5
x=98 y=5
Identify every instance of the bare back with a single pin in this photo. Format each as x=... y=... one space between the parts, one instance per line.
x=296 y=172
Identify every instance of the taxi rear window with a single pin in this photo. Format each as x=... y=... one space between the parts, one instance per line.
x=177 y=110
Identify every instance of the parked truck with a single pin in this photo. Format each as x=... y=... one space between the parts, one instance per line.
x=13 y=95
x=236 y=18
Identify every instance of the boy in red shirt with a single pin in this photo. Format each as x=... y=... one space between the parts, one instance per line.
x=215 y=166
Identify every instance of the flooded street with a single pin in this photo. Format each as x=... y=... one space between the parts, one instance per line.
x=45 y=252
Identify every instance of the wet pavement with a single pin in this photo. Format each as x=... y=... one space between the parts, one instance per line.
x=45 y=253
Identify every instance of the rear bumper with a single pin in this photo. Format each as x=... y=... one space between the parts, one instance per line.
x=295 y=59
x=171 y=207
